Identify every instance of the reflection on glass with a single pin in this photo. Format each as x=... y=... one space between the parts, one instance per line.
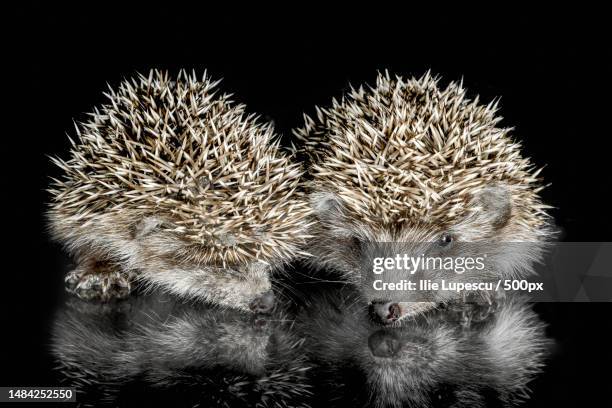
x=465 y=355
x=156 y=349
x=327 y=351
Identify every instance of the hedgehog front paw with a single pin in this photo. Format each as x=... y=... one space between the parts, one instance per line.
x=102 y=286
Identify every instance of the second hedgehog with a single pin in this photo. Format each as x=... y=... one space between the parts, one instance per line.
x=173 y=185
x=406 y=168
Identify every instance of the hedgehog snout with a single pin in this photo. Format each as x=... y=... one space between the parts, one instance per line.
x=391 y=312
x=385 y=312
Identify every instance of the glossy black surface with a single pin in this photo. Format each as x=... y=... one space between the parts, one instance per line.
x=324 y=350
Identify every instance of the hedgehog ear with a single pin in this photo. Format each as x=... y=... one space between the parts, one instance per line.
x=327 y=206
x=494 y=205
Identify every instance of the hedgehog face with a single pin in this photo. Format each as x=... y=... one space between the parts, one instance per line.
x=474 y=249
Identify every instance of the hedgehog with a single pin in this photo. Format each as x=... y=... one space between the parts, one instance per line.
x=409 y=167
x=157 y=350
x=463 y=355
x=172 y=184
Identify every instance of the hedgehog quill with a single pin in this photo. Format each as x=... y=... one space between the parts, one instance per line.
x=172 y=184
x=407 y=167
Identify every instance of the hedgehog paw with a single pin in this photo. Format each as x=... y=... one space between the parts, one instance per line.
x=102 y=286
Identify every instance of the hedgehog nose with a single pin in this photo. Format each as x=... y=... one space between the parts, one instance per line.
x=384 y=344
x=385 y=312
x=263 y=303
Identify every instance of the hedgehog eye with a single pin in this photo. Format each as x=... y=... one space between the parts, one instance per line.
x=445 y=240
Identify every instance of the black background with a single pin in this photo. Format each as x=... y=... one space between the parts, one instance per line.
x=550 y=69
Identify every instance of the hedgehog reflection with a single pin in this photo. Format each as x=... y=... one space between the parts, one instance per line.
x=154 y=351
x=467 y=355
